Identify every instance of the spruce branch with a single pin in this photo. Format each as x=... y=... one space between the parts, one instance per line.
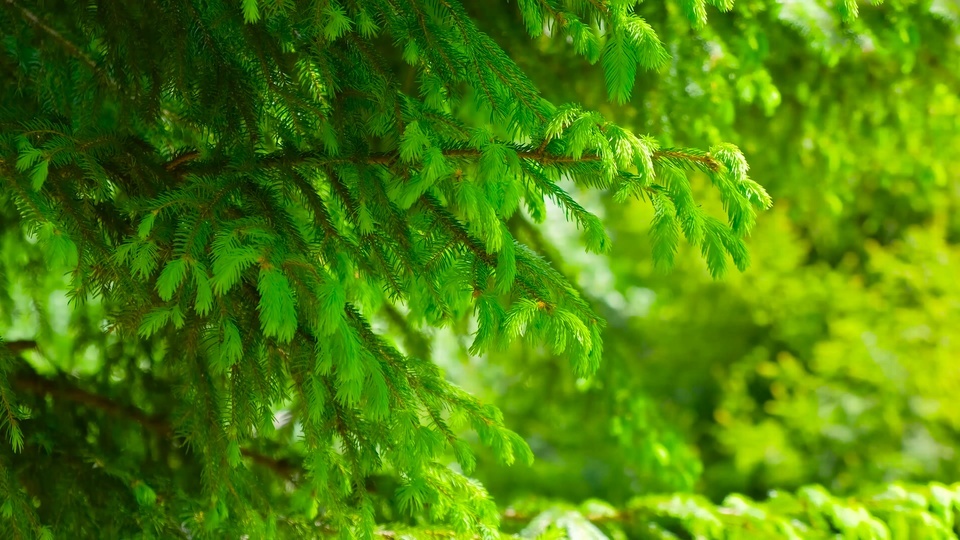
x=600 y=6
x=173 y=164
x=71 y=48
x=476 y=247
x=241 y=191
x=705 y=159
x=60 y=389
x=68 y=45
x=537 y=154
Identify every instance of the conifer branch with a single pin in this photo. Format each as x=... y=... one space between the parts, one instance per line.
x=70 y=47
x=173 y=164
x=599 y=5
x=39 y=385
x=442 y=51
x=542 y=246
x=537 y=154
x=453 y=226
x=427 y=533
x=252 y=231
x=705 y=159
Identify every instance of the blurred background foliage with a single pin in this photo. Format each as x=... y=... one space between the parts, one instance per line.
x=833 y=358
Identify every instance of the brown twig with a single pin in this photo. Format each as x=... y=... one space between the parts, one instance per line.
x=706 y=159
x=61 y=389
x=538 y=154
x=180 y=160
x=17 y=347
x=64 y=42
x=37 y=384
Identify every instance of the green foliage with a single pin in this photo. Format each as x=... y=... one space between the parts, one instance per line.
x=245 y=246
x=916 y=511
x=825 y=361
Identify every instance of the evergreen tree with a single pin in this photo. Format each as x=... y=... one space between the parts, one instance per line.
x=240 y=190
x=228 y=225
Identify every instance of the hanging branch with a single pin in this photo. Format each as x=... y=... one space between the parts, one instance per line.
x=59 y=389
x=387 y=158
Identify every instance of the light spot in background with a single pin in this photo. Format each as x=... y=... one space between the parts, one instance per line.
x=59 y=311
x=593 y=270
x=920 y=445
x=693 y=89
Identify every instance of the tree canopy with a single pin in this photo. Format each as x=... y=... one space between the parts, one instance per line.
x=296 y=269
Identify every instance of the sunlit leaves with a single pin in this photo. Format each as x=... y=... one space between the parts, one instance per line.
x=230 y=259
x=251 y=10
x=33 y=160
x=158 y=318
x=171 y=277
x=231 y=345
x=664 y=232
x=632 y=43
x=204 y=298
x=620 y=66
x=696 y=11
x=812 y=512
x=278 y=314
x=337 y=22
x=413 y=142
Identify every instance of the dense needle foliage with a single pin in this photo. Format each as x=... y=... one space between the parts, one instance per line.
x=246 y=243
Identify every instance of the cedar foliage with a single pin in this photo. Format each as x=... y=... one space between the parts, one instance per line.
x=240 y=193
